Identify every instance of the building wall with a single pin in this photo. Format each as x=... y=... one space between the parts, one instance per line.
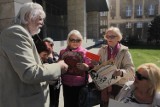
x=58 y=25
x=8 y=11
x=77 y=15
x=56 y=20
x=133 y=25
x=92 y=25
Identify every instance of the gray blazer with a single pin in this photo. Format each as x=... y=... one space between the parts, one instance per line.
x=22 y=75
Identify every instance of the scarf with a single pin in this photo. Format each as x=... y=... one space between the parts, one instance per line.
x=112 y=51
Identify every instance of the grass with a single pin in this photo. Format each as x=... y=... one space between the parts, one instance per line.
x=145 y=54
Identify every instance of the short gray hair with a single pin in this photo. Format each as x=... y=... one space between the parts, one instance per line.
x=115 y=30
x=29 y=11
x=48 y=39
x=74 y=32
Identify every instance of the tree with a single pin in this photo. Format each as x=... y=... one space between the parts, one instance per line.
x=154 y=29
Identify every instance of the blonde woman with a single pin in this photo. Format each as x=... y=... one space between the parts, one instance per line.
x=145 y=90
x=75 y=78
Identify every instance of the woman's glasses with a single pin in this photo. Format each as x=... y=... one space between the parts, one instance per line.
x=140 y=76
x=110 y=36
x=52 y=44
x=74 y=40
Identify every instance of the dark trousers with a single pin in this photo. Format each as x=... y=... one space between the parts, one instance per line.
x=54 y=96
x=71 y=95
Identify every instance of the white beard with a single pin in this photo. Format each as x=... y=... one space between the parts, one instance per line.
x=36 y=32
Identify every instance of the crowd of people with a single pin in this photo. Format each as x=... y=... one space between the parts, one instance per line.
x=32 y=72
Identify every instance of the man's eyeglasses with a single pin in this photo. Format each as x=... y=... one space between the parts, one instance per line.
x=74 y=40
x=110 y=36
x=140 y=76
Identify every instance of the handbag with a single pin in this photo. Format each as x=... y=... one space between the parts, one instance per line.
x=89 y=96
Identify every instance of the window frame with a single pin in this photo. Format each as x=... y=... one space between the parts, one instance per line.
x=128 y=11
x=139 y=25
x=139 y=10
x=151 y=9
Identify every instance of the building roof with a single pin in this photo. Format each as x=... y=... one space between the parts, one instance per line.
x=97 y=5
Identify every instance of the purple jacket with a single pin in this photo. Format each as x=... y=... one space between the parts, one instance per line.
x=74 y=76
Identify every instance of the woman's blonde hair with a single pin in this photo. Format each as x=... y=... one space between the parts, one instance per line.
x=29 y=11
x=74 y=32
x=115 y=30
x=153 y=72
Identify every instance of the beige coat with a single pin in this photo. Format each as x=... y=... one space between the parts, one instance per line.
x=22 y=75
x=123 y=61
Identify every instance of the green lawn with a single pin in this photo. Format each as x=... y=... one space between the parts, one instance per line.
x=141 y=56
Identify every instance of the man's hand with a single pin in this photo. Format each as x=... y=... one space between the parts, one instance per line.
x=64 y=66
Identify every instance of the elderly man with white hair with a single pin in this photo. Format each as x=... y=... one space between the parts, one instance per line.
x=23 y=78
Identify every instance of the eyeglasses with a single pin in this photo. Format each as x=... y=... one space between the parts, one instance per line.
x=110 y=36
x=52 y=44
x=74 y=40
x=140 y=76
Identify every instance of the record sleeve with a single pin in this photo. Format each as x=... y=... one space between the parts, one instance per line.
x=102 y=75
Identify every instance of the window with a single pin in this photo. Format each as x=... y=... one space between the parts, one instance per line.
x=139 y=25
x=139 y=10
x=128 y=25
x=101 y=22
x=101 y=31
x=128 y=11
x=103 y=13
x=151 y=9
x=104 y=30
x=105 y=23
